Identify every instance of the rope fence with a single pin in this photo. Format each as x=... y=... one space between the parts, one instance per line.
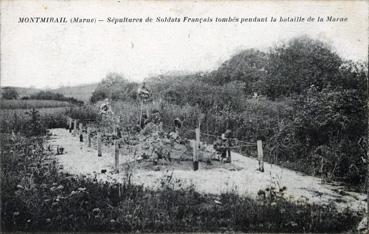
x=99 y=137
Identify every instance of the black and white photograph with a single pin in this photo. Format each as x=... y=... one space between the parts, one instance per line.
x=222 y=116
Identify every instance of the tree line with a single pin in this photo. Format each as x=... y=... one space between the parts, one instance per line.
x=10 y=93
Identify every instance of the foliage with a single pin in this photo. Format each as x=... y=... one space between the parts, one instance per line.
x=97 y=95
x=9 y=93
x=114 y=87
x=84 y=113
x=327 y=135
x=27 y=122
x=34 y=126
x=36 y=197
x=300 y=63
x=248 y=67
x=190 y=91
x=47 y=95
x=54 y=120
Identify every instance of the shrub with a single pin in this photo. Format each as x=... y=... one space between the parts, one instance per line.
x=34 y=126
x=84 y=113
x=56 y=120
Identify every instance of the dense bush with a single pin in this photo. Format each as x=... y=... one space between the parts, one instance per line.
x=84 y=113
x=327 y=136
x=115 y=87
x=36 y=197
x=56 y=120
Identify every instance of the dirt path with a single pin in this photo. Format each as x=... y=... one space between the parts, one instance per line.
x=245 y=179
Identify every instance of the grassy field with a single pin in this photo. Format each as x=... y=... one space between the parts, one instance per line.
x=28 y=104
x=9 y=113
x=16 y=112
x=20 y=120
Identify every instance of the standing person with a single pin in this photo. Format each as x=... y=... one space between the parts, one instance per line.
x=105 y=107
x=144 y=121
x=143 y=92
x=178 y=122
x=227 y=141
x=219 y=149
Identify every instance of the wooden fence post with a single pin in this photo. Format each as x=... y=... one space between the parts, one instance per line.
x=89 y=136
x=119 y=133
x=116 y=154
x=75 y=128
x=69 y=124
x=141 y=111
x=80 y=132
x=260 y=155
x=99 y=153
x=196 y=145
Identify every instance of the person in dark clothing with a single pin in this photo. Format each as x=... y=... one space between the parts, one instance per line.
x=143 y=121
x=227 y=142
x=177 y=125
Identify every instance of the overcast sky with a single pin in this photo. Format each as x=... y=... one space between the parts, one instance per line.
x=50 y=55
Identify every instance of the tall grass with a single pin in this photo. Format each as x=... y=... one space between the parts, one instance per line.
x=20 y=120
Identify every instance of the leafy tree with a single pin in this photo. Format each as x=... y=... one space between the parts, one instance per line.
x=300 y=63
x=115 y=87
x=97 y=95
x=9 y=93
x=248 y=67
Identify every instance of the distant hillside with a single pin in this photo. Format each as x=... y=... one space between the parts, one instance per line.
x=80 y=92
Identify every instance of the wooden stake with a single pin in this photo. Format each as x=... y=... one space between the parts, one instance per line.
x=196 y=145
x=89 y=136
x=116 y=163
x=141 y=113
x=99 y=153
x=260 y=155
x=80 y=132
x=367 y=174
x=75 y=128
x=69 y=123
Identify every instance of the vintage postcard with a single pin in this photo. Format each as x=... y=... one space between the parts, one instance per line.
x=184 y=116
